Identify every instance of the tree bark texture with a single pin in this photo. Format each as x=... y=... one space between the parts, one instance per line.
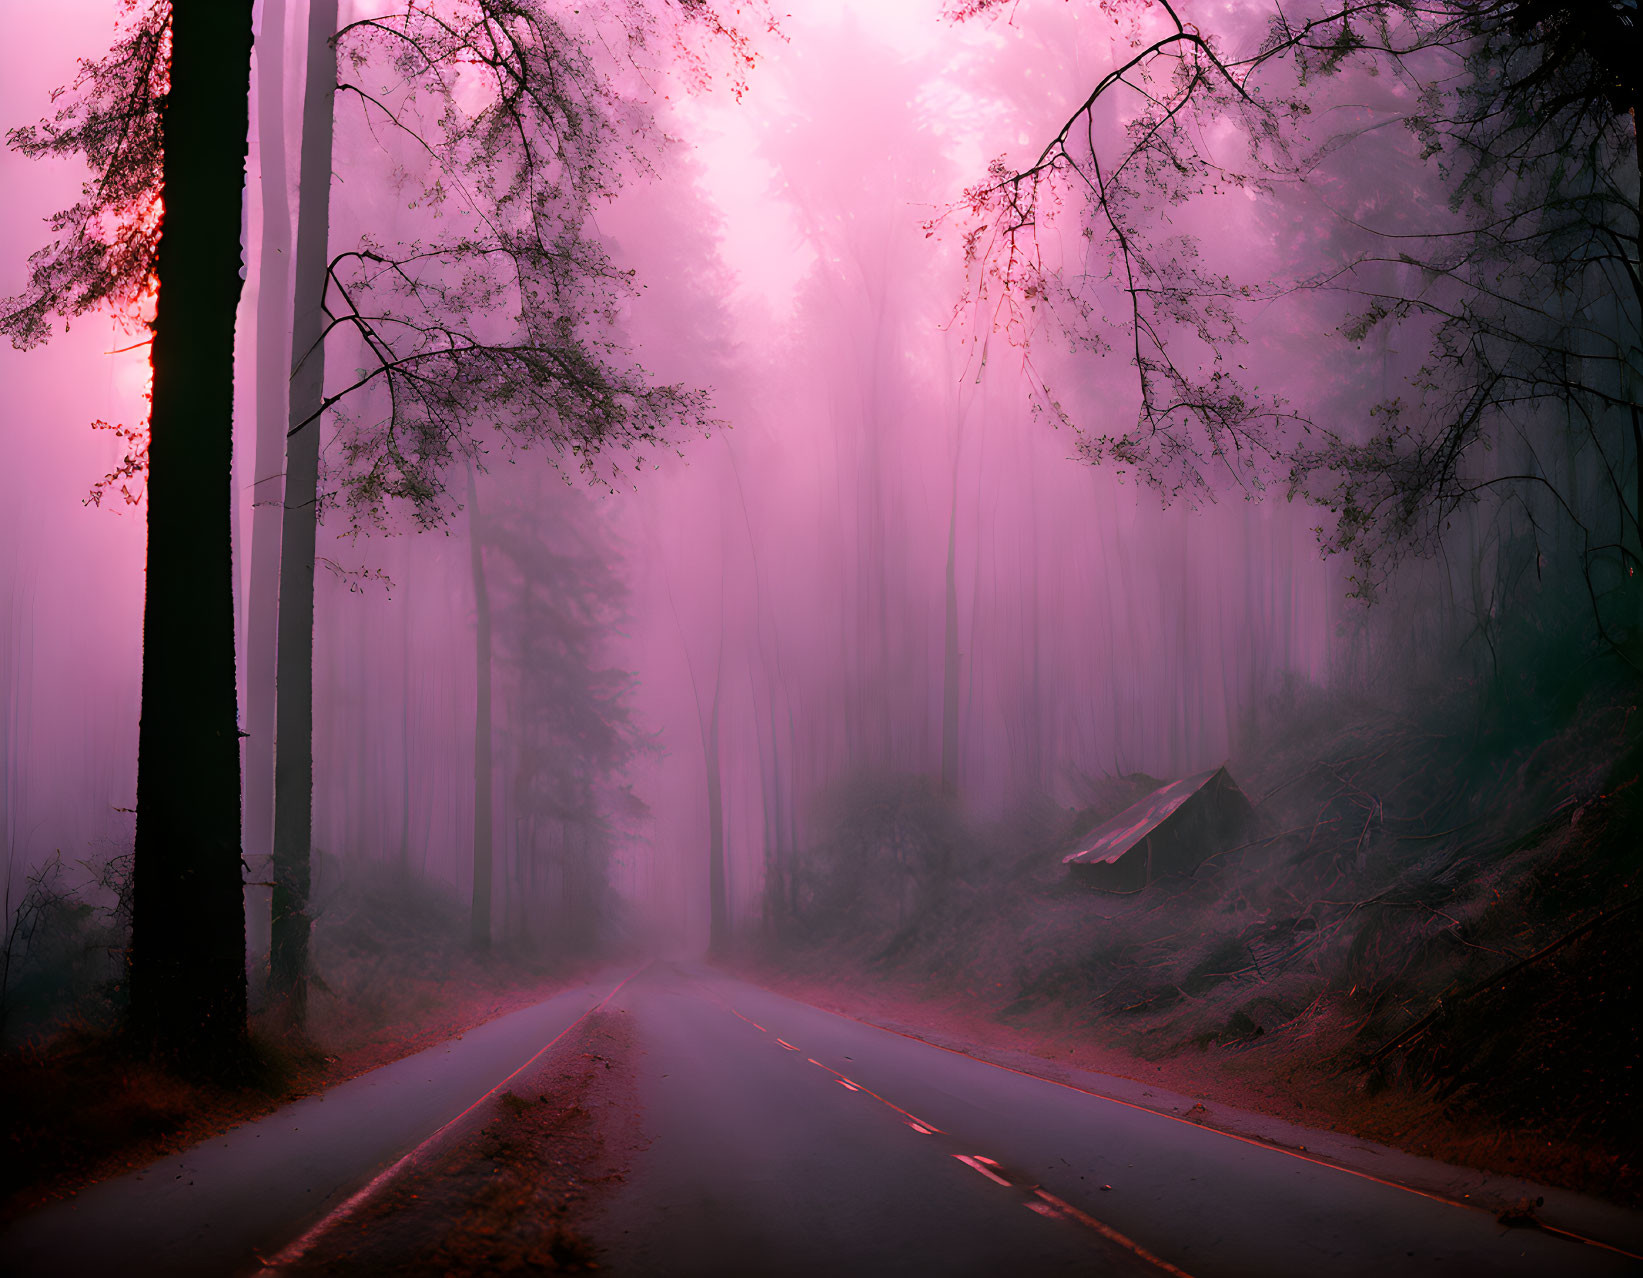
x=294 y=707
x=188 y=935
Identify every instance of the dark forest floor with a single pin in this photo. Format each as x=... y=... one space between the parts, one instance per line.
x=1432 y=940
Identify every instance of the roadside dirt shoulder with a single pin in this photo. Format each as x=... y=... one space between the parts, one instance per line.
x=514 y=1193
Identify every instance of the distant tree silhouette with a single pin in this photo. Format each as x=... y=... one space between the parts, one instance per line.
x=484 y=783
x=565 y=728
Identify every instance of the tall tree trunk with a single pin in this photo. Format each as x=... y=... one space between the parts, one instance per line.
x=718 y=913
x=950 y=662
x=268 y=477
x=294 y=711
x=1627 y=373
x=718 y=907
x=792 y=813
x=405 y=733
x=483 y=788
x=1037 y=749
x=188 y=934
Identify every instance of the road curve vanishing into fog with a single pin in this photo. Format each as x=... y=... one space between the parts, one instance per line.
x=784 y=1140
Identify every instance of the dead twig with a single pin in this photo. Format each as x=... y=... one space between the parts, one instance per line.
x=1299 y=1016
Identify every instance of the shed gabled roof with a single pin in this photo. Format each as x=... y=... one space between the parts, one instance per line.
x=1109 y=841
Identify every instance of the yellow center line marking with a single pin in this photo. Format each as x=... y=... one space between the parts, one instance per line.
x=1435 y=1195
x=978 y=1164
x=918 y=1124
x=1047 y=1204
x=1108 y=1232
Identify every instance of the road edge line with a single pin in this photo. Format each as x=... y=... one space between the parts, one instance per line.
x=299 y=1247
x=1301 y=1155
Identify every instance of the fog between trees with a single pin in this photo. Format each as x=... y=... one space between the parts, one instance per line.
x=875 y=554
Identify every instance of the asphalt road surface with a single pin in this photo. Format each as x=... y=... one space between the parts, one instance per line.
x=787 y=1140
x=219 y=1207
x=781 y=1139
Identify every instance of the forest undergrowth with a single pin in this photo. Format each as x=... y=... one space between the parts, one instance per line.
x=1430 y=938
x=393 y=974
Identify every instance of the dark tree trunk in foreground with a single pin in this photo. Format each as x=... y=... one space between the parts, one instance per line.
x=294 y=703
x=483 y=787
x=188 y=934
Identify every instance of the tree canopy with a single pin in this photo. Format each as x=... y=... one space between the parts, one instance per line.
x=498 y=127
x=1499 y=235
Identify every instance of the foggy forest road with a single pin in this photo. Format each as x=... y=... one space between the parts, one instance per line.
x=216 y=1208
x=788 y=1140
x=778 y=1138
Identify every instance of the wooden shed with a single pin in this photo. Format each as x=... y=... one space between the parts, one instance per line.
x=1169 y=832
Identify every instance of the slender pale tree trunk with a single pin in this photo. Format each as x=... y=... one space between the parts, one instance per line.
x=483 y=786
x=950 y=670
x=718 y=911
x=718 y=917
x=405 y=733
x=294 y=726
x=775 y=859
x=950 y=661
x=268 y=475
x=770 y=794
x=792 y=811
x=188 y=935
x=1037 y=721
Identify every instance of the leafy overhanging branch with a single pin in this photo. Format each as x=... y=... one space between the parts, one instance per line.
x=102 y=253
x=1528 y=291
x=515 y=172
x=515 y=177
